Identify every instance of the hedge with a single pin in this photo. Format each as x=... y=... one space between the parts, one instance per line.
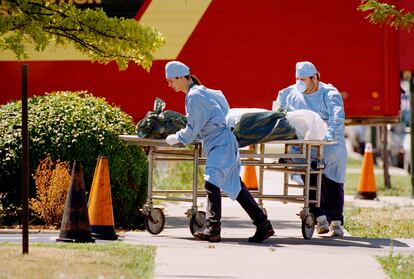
x=72 y=126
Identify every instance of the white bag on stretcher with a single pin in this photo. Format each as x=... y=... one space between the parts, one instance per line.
x=308 y=124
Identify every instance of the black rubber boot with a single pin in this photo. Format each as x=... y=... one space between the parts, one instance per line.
x=213 y=215
x=263 y=232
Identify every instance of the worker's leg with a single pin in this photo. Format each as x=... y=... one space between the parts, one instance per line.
x=264 y=227
x=334 y=205
x=213 y=214
x=316 y=211
x=213 y=206
x=333 y=200
x=322 y=224
x=249 y=204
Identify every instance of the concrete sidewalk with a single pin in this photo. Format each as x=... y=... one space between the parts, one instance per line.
x=285 y=255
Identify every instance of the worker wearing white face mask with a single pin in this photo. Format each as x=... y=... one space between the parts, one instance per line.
x=324 y=99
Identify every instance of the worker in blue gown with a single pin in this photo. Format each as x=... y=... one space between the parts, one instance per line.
x=324 y=99
x=206 y=111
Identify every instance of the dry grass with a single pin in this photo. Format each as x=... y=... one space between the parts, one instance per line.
x=66 y=261
x=384 y=222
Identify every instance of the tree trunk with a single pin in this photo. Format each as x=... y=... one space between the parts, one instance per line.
x=384 y=140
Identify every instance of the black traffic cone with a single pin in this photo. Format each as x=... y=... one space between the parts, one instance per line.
x=75 y=221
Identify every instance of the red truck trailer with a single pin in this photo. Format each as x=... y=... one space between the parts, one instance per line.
x=248 y=49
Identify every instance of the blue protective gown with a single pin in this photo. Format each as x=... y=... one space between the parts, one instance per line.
x=206 y=120
x=327 y=102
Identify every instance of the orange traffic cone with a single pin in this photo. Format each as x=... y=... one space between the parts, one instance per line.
x=249 y=175
x=367 y=188
x=100 y=211
x=75 y=222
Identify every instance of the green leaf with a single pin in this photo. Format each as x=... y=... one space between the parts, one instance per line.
x=91 y=31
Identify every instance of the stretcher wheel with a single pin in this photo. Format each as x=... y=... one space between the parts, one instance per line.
x=155 y=221
x=308 y=226
x=198 y=223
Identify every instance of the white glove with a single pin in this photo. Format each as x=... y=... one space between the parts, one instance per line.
x=172 y=139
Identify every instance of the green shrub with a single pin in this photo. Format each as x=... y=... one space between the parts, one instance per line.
x=70 y=126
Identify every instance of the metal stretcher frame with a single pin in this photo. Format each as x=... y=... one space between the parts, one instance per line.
x=159 y=150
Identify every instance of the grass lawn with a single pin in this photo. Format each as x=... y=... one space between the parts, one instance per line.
x=63 y=260
x=354 y=163
x=398 y=266
x=384 y=222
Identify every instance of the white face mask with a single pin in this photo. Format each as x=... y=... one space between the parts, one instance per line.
x=301 y=86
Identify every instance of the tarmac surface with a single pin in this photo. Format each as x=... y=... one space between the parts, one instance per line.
x=285 y=255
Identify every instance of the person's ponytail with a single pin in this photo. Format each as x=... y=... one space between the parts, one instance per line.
x=195 y=80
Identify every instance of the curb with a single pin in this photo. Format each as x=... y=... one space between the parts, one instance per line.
x=32 y=231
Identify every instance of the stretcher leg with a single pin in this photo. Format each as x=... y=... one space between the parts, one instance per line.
x=197 y=218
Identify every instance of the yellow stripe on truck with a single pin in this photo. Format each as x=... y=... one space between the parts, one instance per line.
x=175 y=19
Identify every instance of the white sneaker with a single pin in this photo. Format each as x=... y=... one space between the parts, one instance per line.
x=322 y=225
x=336 y=229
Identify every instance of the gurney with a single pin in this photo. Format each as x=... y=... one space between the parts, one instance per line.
x=261 y=157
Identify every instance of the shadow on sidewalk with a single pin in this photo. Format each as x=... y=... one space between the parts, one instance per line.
x=280 y=240
x=347 y=241
x=172 y=222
